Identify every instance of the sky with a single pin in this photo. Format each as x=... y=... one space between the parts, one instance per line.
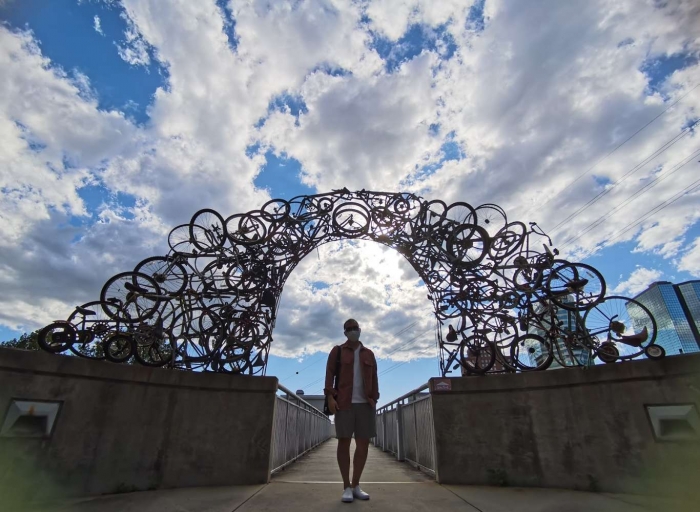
x=121 y=118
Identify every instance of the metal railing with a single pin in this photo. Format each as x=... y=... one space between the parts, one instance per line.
x=405 y=428
x=298 y=427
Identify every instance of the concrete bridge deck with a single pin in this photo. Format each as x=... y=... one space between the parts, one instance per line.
x=313 y=484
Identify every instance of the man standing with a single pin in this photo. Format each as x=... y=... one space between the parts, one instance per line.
x=354 y=405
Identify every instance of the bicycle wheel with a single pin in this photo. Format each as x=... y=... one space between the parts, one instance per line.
x=477 y=354
x=170 y=275
x=531 y=352
x=93 y=325
x=130 y=297
x=180 y=241
x=57 y=337
x=461 y=213
x=275 y=210
x=575 y=286
x=622 y=321
x=207 y=230
x=351 y=220
x=432 y=213
x=246 y=229
x=507 y=240
x=491 y=217
x=467 y=245
x=119 y=347
x=159 y=352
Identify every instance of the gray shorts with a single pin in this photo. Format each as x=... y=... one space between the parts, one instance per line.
x=359 y=420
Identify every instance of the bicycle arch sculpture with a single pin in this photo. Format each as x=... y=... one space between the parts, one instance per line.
x=503 y=301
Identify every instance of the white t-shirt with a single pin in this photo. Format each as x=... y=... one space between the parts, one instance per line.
x=358 y=384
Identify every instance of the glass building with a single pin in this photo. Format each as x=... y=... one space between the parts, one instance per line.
x=677 y=327
x=564 y=354
x=690 y=292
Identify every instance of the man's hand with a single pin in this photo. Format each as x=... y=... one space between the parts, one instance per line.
x=372 y=402
x=332 y=404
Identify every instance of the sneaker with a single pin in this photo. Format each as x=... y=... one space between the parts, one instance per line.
x=348 y=495
x=359 y=493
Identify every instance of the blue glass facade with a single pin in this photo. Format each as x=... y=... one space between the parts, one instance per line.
x=564 y=354
x=674 y=332
x=690 y=291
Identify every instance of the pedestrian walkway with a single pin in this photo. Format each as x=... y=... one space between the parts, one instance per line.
x=313 y=484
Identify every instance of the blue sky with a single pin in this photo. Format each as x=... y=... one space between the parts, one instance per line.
x=122 y=118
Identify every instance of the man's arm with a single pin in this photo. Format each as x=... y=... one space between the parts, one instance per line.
x=375 y=383
x=330 y=373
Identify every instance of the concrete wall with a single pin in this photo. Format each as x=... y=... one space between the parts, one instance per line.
x=569 y=428
x=124 y=428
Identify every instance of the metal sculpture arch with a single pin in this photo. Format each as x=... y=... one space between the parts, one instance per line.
x=503 y=301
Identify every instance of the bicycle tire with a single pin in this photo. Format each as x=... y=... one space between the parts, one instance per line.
x=207 y=230
x=491 y=217
x=119 y=348
x=507 y=241
x=524 y=361
x=564 y=273
x=275 y=210
x=239 y=227
x=467 y=245
x=171 y=276
x=594 y=320
x=346 y=213
x=114 y=296
x=474 y=361
x=57 y=337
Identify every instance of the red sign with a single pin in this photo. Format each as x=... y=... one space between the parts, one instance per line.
x=442 y=385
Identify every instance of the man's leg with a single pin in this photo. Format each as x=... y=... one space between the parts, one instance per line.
x=343 y=454
x=358 y=463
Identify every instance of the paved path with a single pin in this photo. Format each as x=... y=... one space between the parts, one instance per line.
x=313 y=484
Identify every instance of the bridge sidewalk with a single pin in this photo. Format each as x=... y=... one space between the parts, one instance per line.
x=313 y=484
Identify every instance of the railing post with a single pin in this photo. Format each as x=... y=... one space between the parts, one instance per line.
x=400 y=447
x=384 y=415
x=415 y=429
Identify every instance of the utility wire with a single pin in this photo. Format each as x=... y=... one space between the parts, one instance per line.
x=542 y=205
x=392 y=368
x=634 y=169
x=687 y=190
x=639 y=192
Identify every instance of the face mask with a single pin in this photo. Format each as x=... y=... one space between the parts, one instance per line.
x=353 y=335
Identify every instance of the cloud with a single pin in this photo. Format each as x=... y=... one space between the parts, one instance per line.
x=354 y=279
x=97 y=25
x=529 y=111
x=690 y=260
x=134 y=50
x=637 y=282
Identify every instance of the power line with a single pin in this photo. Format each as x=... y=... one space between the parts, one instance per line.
x=538 y=208
x=634 y=169
x=689 y=189
x=639 y=192
x=392 y=368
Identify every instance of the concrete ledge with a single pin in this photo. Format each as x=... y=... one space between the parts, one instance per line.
x=43 y=363
x=570 y=428
x=124 y=428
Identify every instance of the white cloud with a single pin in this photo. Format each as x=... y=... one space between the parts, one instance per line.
x=134 y=50
x=690 y=260
x=530 y=109
x=637 y=282
x=97 y=25
x=360 y=280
